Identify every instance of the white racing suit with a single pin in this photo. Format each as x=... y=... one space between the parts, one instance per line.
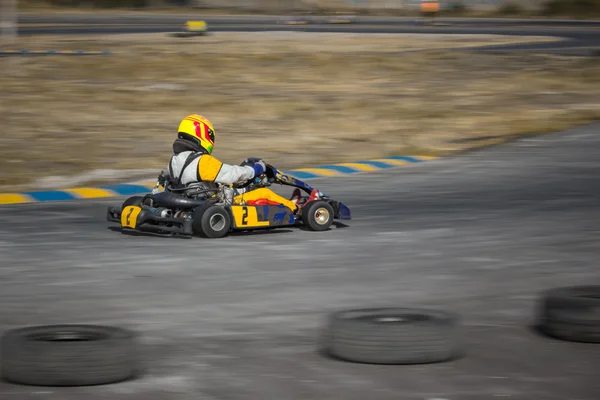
x=206 y=168
x=190 y=167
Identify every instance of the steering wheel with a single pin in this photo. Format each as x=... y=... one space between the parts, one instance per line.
x=270 y=171
x=269 y=174
x=245 y=184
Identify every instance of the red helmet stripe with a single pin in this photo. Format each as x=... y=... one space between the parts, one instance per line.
x=202 y=131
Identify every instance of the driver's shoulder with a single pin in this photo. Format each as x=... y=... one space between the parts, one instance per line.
x=181 y=156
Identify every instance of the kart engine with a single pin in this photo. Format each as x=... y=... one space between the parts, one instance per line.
x=162 y=212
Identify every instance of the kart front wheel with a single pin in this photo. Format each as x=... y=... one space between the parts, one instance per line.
x=133 y=201
x=317 y=215
x=211 y=221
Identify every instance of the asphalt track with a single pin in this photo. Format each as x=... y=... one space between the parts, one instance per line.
x=480 y=234
x=581 y=37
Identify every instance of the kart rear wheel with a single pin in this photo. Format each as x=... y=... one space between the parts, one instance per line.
x=211 y=221
x=317 y=215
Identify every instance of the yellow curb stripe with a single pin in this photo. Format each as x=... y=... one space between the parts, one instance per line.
x=320 y=171
x=148 y=184
x=426 y=157
x=14 y=198
x=91 y=193
x=392 y=161
x=361 y=167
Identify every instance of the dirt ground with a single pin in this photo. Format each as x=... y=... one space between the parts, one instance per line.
x=296 y=100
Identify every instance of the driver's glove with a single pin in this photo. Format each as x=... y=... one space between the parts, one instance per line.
x=256 y=163
x=259 y=167
x=250 y=161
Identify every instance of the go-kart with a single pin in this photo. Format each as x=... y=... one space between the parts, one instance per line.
x=213 y=212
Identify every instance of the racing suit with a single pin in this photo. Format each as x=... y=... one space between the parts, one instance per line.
x=206 y=168
x=193 y=167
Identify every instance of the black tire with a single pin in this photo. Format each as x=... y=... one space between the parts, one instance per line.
x=312 y=213
x=392 y=336
x=571 y=313
x=68 y=355
x=211 y=221
x=133 y=201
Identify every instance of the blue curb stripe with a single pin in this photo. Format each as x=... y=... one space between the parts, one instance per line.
x=50 y=195
x=126 y=189
x=405 y=158
x=302 y=174
x=340 y=168
x=65 y=52
x=377 y=164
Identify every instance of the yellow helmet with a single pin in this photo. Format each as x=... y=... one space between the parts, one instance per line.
x=199 y=130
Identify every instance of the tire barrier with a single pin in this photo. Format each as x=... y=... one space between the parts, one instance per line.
x=85 y=355
x=68 y=355
x=570 y=313
x=393 y=336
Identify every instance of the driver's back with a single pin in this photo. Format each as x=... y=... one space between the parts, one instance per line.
x=189 y=167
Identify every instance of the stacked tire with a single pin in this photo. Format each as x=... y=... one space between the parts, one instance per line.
x=421 y=336
x=68 y=355
x=570 y=313
x=393 y=336
x=83 y=355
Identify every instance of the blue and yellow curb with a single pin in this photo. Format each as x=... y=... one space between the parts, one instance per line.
x=355 y=167
x=83 y=52
x=118 y=190
x=55 y=52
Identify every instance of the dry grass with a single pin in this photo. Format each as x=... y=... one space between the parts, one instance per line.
x=68 y=115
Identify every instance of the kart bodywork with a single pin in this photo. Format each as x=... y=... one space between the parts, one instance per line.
x=214 y=212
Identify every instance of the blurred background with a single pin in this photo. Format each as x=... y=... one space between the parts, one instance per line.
x=346 y=79
x=92 y=93
x=393 y=7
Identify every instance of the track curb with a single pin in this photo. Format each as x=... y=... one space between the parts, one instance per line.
x=55 y=52
x=131 y=189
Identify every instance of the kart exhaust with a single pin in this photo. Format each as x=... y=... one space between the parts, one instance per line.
x=162 y=212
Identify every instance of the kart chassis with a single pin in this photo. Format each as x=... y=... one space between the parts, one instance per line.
x=169 y=212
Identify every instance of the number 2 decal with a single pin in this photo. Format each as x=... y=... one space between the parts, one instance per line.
x=129 y=215
x=245 y=216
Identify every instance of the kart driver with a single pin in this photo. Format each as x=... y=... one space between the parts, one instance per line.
x=192 y=162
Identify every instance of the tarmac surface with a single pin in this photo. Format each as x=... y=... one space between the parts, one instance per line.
x=481 y=234
x=581 y=37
